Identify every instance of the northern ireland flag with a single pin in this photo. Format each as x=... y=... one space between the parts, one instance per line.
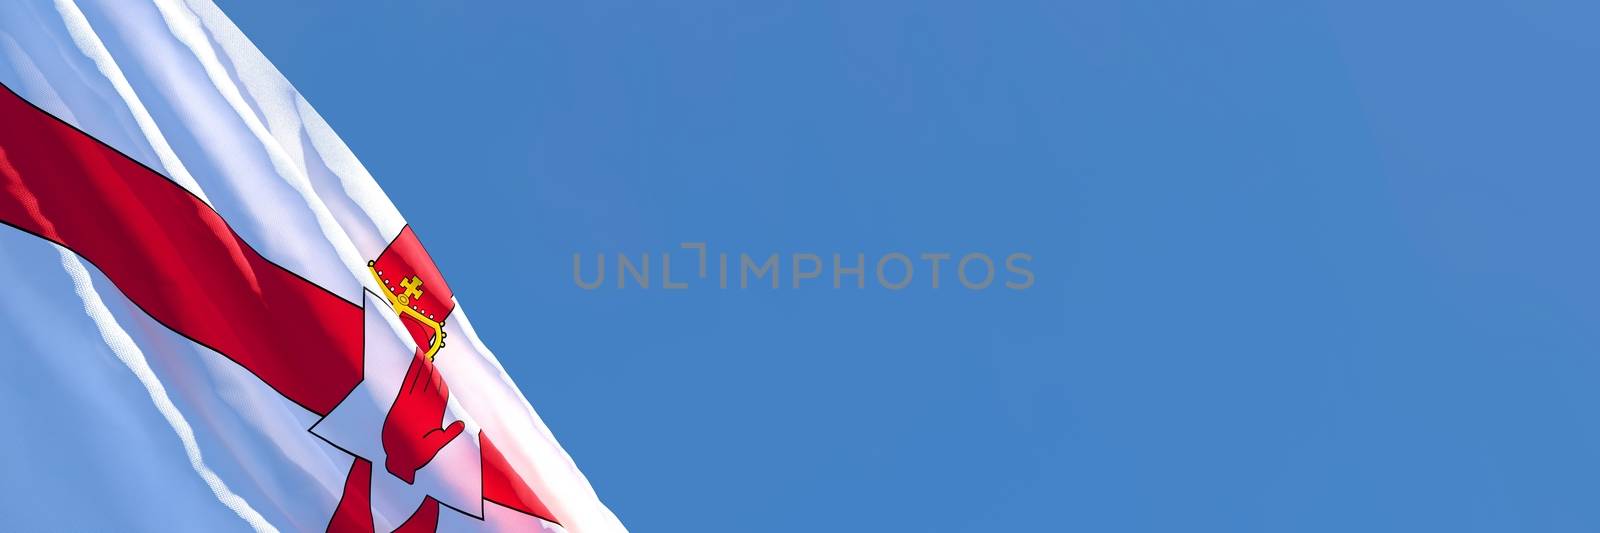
x=213 y=319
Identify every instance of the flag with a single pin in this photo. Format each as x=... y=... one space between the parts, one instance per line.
x=212 y=317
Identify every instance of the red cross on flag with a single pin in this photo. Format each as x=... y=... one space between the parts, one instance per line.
x=215 y=317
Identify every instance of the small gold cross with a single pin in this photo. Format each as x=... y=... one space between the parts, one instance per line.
x=413 y=288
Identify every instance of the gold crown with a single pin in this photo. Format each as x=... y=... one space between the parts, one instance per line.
x=402 y=305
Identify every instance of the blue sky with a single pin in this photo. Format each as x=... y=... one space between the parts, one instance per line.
x=1301 y=266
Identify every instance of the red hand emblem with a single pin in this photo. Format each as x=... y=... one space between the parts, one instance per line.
x=411 y=432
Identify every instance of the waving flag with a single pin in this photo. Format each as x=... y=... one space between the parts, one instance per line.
x=213 y=317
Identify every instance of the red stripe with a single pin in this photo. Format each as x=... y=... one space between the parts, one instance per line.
x=502 y=485
x=175 y=257
x=354 y=513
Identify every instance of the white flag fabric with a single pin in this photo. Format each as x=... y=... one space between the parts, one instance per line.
x=168 y=200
